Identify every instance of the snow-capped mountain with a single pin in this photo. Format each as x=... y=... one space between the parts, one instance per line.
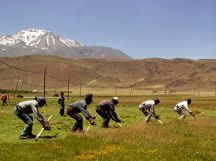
x=36 y=41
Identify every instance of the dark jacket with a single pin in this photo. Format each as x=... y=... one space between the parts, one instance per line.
x=61 y=101
x=109 y=107
x=78 y=107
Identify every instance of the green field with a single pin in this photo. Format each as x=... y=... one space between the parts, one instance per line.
x=192 y=140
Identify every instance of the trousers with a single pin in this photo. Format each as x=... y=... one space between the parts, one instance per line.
x=27 y=119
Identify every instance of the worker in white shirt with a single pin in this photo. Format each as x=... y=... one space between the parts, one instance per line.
x=181 y=106
x=147 y=108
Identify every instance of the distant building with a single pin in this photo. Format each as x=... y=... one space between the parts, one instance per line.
x=34 y=91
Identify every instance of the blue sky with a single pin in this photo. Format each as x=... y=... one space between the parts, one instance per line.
x=140 y=28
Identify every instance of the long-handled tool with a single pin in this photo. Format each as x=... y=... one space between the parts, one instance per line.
x=40 y=132
x=88 y=127
x=160 y=122
x=119 y=124
x=90 y=124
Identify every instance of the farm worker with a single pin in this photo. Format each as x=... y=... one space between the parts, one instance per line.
x=183 y=105
x=77 y=107
x=61 y=103
x=148 y=109
x=106 y=109
x=4 y=98
x=23 y=109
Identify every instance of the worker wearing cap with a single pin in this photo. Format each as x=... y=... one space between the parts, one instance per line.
x=106 y=109
x=23 y=111
x=148 y=108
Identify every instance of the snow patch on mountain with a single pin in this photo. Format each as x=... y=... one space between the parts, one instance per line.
x=37 y=41
x=36 y=37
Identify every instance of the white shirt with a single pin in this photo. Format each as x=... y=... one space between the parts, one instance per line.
x=31 y=106
x=182 y=105
x=147 y=105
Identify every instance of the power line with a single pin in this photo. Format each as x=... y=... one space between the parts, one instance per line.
x=32 y=84
x=56 y=78
x=7 y=78
x=19 y=68
x=51 y=76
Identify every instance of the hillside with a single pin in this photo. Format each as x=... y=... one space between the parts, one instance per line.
x=151 y=74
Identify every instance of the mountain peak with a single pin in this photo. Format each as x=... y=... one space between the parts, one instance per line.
x=38 y=41
x=36 y=31
x=30 y=35
x=38 y=38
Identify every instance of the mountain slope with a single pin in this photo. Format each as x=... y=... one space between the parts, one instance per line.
x=36 y=41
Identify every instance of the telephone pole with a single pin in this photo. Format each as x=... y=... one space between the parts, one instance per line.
x=18 y=77
x=44 y=82
x=68 y=86
x=80 y=88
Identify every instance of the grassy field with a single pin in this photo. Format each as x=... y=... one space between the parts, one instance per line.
x=192 y=140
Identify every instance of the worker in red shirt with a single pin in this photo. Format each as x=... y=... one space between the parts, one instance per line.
x=4 y=98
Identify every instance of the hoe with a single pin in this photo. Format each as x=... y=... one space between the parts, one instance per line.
x=40 y=132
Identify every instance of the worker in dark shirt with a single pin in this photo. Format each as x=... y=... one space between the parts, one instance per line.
x=80 y=107
x=61 y=103
x=106 y=109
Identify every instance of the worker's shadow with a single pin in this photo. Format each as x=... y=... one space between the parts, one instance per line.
x=48 y=136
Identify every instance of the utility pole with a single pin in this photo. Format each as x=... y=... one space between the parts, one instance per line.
x=44 y=82
x=115 y=91
x=198 y=88
x=55 y=90
x=80 y=88
x=215 y=88
x=68 y=86
x=131 y=90
x=18 y=76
